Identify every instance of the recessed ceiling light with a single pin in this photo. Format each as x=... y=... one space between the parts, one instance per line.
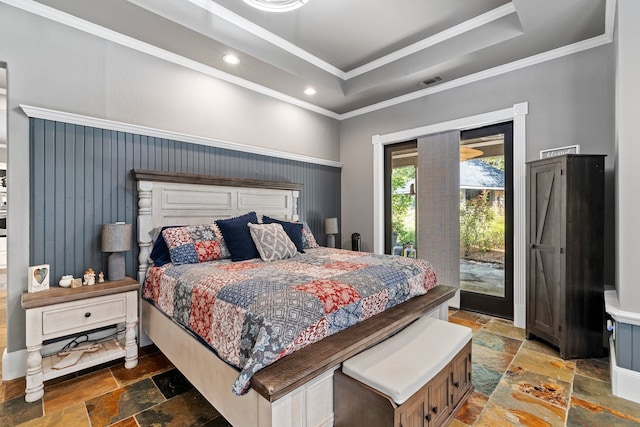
x=231 y=59
x=310 y=91
x=276 y=5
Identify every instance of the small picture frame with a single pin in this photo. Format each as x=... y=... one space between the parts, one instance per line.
x=39 y=278
x=560 y=151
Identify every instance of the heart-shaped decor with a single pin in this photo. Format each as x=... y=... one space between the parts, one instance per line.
x=40 y=274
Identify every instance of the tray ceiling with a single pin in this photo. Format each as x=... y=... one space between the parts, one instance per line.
x=355 y=53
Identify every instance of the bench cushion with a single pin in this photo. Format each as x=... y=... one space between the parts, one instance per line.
x=399 y=366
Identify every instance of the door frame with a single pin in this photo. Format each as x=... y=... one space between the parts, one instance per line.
x=517 y=113
x=490 y=304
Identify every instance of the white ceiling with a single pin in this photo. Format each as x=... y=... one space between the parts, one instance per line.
x=355 y=53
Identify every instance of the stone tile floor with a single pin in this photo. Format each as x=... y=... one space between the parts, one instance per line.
x=521 y=382
x=517 y=383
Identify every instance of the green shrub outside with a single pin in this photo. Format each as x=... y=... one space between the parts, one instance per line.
x=481 y=225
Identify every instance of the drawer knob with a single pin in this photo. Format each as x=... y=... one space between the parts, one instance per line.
x=434 y=409
x=456 y=384
x=87 y=314
x=427 y=417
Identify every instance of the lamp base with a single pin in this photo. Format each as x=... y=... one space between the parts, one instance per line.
x=331 y=241
x=115 y=266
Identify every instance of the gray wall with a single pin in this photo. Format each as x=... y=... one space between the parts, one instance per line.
x=628 y=152
x=627 y=176
x=571 y=101
x=53 y=66
x=80 y=179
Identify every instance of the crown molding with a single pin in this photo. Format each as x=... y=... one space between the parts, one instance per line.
x=482 y=75
x=449 y=33
x=99 y=31
x=121 y=39
x=82 y=120
x=212 y=7
x=610 y=18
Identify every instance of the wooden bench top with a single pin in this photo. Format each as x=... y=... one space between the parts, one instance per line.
x=288 y=373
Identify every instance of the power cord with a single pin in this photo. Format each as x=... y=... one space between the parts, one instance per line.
x=84 y=338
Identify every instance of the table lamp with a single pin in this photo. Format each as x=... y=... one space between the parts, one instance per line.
x=116 y=238
x=331 y=229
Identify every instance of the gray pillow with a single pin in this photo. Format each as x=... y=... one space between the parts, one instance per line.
x=272 y=242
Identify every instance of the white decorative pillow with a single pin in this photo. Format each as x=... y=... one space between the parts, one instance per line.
x=272 y=242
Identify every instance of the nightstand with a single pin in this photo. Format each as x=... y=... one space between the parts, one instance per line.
x=58 y=312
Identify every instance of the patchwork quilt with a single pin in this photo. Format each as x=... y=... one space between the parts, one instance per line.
x=253 y=313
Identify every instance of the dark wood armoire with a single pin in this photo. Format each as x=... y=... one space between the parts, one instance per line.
x=565 y=236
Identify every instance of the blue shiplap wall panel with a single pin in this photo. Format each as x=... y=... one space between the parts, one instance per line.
x=623 y=343
x=635 y=349
x=80 y=179
x=627 y=344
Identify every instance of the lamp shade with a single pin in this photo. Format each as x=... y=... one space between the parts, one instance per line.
x=116 y=237
x=331 y=226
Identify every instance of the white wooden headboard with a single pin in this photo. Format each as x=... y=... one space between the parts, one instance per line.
x=188 y=199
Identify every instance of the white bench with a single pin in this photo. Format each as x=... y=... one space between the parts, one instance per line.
x=418 y=377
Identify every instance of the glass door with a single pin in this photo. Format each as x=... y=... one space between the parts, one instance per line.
x=401 y=164
x=486 y=220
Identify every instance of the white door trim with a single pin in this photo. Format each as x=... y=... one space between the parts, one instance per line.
x=517 y=113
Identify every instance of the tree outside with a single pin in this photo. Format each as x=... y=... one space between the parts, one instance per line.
x=482 y=224
x=403 y=204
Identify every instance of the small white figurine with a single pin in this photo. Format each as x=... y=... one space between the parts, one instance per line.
x=65 y=281
x=101 y=277
x=89 y=277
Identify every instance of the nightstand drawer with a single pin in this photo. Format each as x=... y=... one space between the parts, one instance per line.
x=94 y=312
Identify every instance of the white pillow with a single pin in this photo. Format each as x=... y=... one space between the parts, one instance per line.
x=272 y=242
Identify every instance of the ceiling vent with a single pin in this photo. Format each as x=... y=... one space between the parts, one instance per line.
x=428 y=82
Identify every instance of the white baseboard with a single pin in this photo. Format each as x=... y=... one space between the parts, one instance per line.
x=625 y=383
x=454 y=302
x=14 y=364
x=144 y=339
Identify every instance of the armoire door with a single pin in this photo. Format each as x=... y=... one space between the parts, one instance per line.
x=545 y=245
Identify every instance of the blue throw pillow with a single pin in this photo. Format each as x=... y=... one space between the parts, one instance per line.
x=160 y=253
x=238 y=237
x=293 y=230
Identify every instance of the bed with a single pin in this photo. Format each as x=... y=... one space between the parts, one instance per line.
x=287 y=388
